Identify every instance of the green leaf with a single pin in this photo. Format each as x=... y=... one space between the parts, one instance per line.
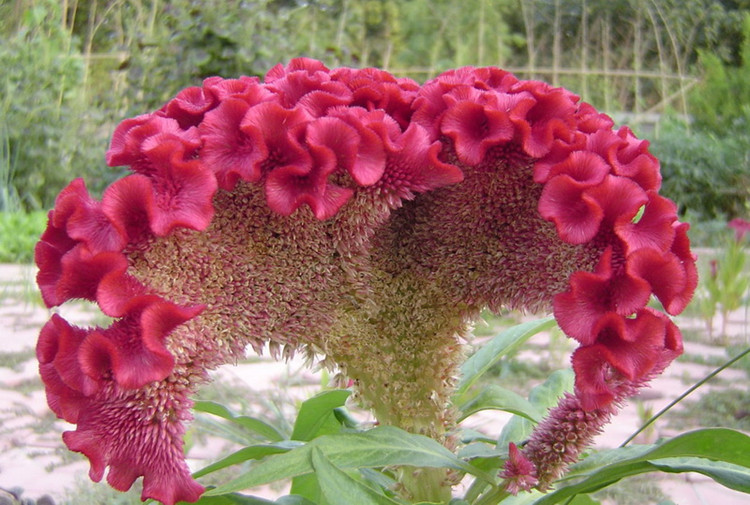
x=252 y=424
x=316 y=416
x=524 y=498
x=307 y=486
x=231 y=499
x=340 y=489
x=319 y=415
x=727 y=474
x=379 y=447
x=583 y=499
x=294 y=500
x=498 y=398
x=543 y=397
x=696 y=451
x=246 y=454
x=492 y=351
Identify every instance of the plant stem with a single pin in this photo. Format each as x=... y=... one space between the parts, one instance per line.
x=685 y=394
x=493 y=497
x=426 y=484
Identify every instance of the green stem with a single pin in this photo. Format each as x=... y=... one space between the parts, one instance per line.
x=426 y=484
x=685 y=394
x=475 y=490
x=494 y=496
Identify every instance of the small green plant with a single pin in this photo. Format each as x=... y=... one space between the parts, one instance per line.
x=725 y=287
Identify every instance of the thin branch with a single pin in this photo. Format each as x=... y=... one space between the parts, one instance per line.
x=685 y=394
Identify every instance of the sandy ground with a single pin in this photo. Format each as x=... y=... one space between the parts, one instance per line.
x=32 y=455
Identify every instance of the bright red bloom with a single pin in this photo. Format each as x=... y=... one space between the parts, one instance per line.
x=353 y=214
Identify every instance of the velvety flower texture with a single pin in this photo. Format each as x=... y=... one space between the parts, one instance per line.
x=354 y=216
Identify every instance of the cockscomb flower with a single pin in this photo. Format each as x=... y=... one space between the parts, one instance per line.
x=364 y=218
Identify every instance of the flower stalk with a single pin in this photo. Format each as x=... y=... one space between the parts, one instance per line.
x=368 y=219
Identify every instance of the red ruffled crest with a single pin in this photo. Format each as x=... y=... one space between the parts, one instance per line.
x=132 y=349
x=133 y=138
x=83 y=220
x=375 y=89
x=305 y=65
x=57 y=349
x=247 y=89
x=414 y=165
x=653 y=230
x=179 y=193
x=116 y=430
x=552 y=117
x=189 y=106
x=231 y=153
x=592 y=121
x=307 y=83
x=633 y=350
x=633 y=160
x=331 y=144
x=594 y=296
x=475 y=128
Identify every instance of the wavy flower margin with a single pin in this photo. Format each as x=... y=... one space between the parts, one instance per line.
x=316 y=138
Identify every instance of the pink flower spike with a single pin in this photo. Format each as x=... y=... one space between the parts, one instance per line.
x=519 y=472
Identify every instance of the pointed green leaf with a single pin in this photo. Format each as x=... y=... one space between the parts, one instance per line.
x=583 y=499
x=379 y=447
x=494 y=397
x=246 y=454
x=491 y=352
x=727 y=474
x=231 y=499
x=316 y=416
x=340 y=489
x=695 y=451
x=523 y=498
x=294 y=500
x=252 y=424
x=307 y=486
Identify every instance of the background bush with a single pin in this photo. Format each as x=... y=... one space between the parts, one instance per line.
x=706 y=173
x=72 y=70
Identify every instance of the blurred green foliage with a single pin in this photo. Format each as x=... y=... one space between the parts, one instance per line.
x=19 y=232
x=706 y=173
